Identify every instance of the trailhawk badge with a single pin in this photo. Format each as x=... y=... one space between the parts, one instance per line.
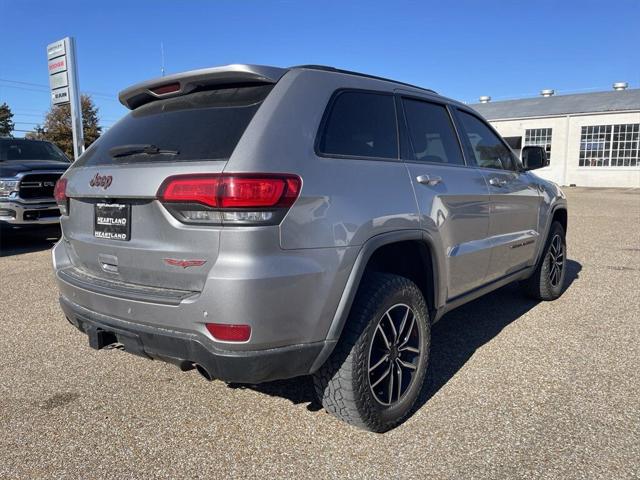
x=103 y=181
x=176 y=262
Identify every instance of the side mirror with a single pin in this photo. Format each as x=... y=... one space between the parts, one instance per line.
x=534 y=157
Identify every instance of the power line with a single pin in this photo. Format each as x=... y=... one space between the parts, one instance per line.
x=24 y=88
x=32 y=110
x=23 y=83
x=40 y=87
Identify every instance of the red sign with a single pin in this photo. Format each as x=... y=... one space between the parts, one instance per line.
x=57 y=65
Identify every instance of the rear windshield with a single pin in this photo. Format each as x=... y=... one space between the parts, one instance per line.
x=200 y=126
x=19 y=149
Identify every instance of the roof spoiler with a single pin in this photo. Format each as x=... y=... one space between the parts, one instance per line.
x=187 y=82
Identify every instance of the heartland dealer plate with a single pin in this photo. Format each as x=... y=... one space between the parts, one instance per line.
x=112 y=221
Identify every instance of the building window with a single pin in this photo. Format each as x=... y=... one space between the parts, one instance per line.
x=610 y=145
x=625 y=145
x=539 y=136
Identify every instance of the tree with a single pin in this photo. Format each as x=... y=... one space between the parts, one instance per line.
x=36 y=134
x=6 y=124
x=57 y=126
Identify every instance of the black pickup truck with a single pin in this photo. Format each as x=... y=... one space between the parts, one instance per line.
x=29 y=170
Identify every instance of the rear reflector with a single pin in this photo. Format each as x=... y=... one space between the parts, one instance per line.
x=229 y=332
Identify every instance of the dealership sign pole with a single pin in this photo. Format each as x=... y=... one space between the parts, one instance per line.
x=63 y=82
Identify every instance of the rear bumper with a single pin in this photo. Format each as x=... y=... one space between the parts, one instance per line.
x=186 y=349
x=287 y=297
x=24 y=214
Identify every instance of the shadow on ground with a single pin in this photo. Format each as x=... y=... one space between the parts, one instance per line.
x=454 y=340
x=33 y=239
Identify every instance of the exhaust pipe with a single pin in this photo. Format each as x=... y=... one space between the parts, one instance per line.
x=203 y=371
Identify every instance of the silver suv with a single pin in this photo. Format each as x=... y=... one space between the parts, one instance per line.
x=261 y=223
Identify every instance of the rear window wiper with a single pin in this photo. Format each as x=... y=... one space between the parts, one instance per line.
x=141 y=149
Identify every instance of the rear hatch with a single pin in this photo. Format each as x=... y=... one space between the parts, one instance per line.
x=116 y=229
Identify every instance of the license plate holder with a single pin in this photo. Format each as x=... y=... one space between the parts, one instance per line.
x=112 y=221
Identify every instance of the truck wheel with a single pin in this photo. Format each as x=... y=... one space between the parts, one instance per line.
x=548 y=279
x=375 y=374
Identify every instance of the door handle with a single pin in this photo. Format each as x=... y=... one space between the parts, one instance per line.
x=429 y=179
x=497 y=181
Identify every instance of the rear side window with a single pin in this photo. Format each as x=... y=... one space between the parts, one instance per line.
x=431 y=133
x=361 y=124
x=200 y=126
x=488 y=150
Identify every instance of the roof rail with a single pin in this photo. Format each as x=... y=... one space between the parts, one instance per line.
x=349 y=72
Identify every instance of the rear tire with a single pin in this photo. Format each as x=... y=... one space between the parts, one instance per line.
x=387 y=331
x=547 y=281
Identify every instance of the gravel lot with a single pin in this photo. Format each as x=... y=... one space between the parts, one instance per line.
x=516 y=388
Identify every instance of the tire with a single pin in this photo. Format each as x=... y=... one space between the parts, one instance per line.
x=547 y=281
x=345 y=386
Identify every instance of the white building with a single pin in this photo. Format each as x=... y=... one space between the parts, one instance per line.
x=593 y=139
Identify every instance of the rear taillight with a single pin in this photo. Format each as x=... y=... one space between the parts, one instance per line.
x=60 y=196
x=244 y=199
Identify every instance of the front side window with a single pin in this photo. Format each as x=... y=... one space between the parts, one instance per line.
x=361 y=124
x=610 y=145
x=487 y=148
x=540 y=137
x=431 y=133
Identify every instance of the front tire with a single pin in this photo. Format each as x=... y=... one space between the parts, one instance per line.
x=547 y=281
x=375 y=374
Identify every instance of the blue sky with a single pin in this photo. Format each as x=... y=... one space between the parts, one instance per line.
x=461 y=48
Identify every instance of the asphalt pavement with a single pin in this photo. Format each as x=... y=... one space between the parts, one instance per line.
x=516 y=388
